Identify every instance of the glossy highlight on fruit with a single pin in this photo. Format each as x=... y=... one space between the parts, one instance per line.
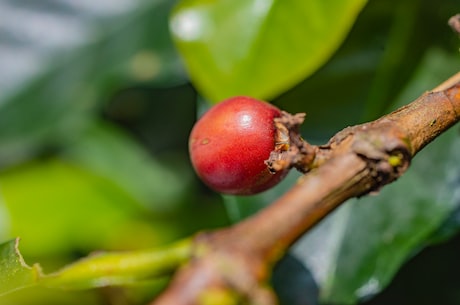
x=230 y=143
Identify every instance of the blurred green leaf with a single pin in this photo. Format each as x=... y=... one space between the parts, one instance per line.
x=60 y=59
x=258 y=48
x=37 y=295
x=452 y=224
x=356 y=252
x=240 y=207
x=57 y=207
x=4 y=221
x=15 y=273
x=111 y=153
x=294 y=283
x=372 y=66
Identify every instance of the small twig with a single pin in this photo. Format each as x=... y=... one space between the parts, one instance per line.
x=233 y=264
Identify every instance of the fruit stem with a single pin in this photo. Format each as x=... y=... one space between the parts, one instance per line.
x=291 y=150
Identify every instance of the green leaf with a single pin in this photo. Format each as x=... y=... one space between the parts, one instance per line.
x=258 y=48
x=57 y=208
x=97 y=270
x=14 y=272
x=109 y=152
x=38 y=295
x=60 y=60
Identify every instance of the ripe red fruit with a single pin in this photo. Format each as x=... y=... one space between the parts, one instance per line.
x=230 y=143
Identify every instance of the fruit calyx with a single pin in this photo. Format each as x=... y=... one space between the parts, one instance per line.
x=291 y=150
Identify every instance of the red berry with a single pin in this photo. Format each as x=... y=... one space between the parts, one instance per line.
x=230 y=143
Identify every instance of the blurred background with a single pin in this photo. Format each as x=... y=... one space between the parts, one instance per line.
x=97 y=99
